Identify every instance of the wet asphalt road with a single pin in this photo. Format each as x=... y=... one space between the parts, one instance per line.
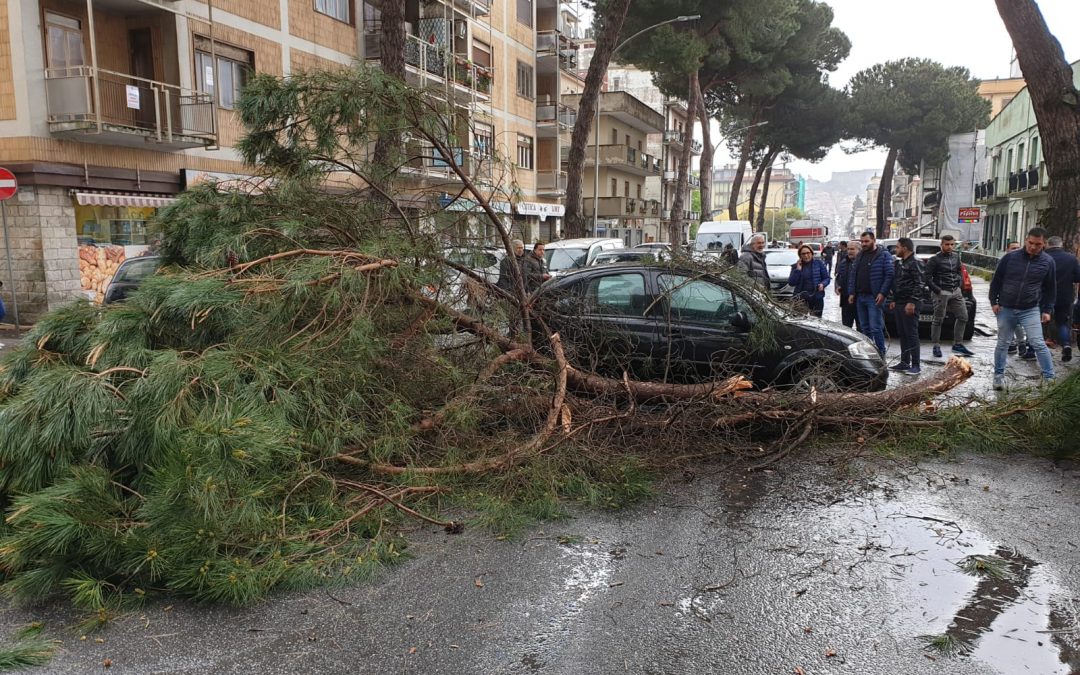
x=810 y=567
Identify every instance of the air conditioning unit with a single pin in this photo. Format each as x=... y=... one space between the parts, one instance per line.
x=462 y=29
x=995 y=153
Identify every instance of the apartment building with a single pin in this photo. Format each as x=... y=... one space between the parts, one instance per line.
x=786 y=189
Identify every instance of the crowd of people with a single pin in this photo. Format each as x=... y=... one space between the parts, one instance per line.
x=1034 y=284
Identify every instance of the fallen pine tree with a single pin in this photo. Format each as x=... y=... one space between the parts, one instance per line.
x=261 y=413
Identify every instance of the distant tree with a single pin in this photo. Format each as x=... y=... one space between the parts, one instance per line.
x=911 y=107
x=1056 y=102
x=607 y=23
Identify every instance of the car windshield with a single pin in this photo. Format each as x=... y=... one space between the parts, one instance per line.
x=718 y=241
x=136 y=270
x=565 y=258
x=786 y=257
x=623 y=256
x=473 y=259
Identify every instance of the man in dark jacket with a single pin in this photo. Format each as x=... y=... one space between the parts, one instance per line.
x=849 y=252
x=1024 y=291
x=534 y=268
x=506 y=265
x=869 y=281
x=907 y=292
x=752 y=262
x=945 y=280
x=827 y=256
x=1067 y=271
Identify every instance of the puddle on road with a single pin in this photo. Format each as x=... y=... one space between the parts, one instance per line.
x=1007 y=611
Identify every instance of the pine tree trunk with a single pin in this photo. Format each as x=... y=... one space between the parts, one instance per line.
x=754 y=191
x=682 y=178
x=606 y=41
x=744 y=157
x=1057 y=109
x=706 y=158
x=765 y=180
x=884 y=195
x=392 y=60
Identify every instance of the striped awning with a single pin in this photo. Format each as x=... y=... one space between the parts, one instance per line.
x=122 y=199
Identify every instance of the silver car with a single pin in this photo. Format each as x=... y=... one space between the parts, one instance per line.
x=779 y=262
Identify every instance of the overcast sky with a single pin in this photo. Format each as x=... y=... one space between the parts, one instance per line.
x=953 y=32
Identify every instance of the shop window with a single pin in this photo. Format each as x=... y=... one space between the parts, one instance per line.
x=234 y=67
x=335 y=9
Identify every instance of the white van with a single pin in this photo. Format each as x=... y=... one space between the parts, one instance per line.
x=571 y=254
x=714 y=236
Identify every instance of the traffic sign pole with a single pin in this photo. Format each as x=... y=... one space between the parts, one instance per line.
x=8 y=187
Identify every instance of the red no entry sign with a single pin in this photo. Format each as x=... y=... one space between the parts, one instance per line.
x=8 y=184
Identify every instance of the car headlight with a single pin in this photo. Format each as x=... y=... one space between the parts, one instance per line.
x=863 y=350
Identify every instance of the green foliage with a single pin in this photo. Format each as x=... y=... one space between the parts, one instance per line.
x=28 y=648
x=913 y=106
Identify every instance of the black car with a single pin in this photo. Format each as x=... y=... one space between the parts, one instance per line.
x=669 y=324
x=129 y=275
x=926 y=315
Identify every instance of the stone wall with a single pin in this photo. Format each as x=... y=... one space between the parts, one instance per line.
x=44 y=252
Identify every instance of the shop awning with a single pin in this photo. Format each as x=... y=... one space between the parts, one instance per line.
x=122 y=199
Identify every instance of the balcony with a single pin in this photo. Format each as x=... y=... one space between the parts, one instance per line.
x=1026 y=181
x=551 y=183
x=694 y=181
x=430 y=65
x=626 y=109
x=101 y=106
x=623 y=158
x=426 y=163
x=552 y=118
x=987 y=191
x=677 y=138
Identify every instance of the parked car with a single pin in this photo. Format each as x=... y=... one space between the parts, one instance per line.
x=926 y=314
x=129 y=275
x=571 y=254
x=779 y=261
x=621 y=255
x=663 y=248
x=460 y=291
x=668 y=324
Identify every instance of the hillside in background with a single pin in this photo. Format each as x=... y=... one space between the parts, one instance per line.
x=830 y=201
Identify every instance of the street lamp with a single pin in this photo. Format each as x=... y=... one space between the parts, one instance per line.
x=599 y=98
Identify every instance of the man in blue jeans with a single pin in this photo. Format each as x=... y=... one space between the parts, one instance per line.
x=869 y=281
x=1023 y=292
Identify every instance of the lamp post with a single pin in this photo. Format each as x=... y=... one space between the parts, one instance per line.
x=600 y=98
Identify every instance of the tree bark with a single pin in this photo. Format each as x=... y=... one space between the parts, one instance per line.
x=392 y=60
x=706 y=158
x=884 y=195
x=765 y=180
x=744 y=157
x=606 y=41
x=682 y=179
x=758 y=172
x=1057 y=110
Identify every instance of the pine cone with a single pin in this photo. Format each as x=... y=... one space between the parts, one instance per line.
x=231 y=259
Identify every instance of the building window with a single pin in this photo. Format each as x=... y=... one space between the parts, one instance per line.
x=1035 y=151
x=335 y=9
x=525 y=12
x=525 y=80
x=483 y=139
x=372 y=18
x=639 y=190
x=234 y=67
x=614 y=187
x=626 y=189
x=614 y=136
x=524 y=151
x=63 y=41
x=481 y=53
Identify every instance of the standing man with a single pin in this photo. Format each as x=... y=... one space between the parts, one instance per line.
x=534 y=268
x=1019 y=344
x=827 y=256
x=870 y=279
x=752 y=262
x=848 y=314
x=1067 y=274
x=906 y=293
x=1023 y=292
x=506 y=265
x=945 y=280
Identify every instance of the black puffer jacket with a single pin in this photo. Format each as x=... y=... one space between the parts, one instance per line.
x=943 y=272
x=908 y=283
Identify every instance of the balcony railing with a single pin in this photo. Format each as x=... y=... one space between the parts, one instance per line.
x=550 y=113
x=551 y=181
x=621 y=157
x=987 y=190
x=83 y=100
x=694 y=181
x=1024 y=181
x=433 y=61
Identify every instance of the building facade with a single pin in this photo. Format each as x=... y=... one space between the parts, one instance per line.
x=786 y=190
x=1013 y=188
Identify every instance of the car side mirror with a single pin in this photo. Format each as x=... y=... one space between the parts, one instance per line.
x=741 y=321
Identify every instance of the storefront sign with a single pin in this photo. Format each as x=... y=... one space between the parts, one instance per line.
x=541 y=209
x=132 y=97
x=969 y=214
x=521 y=208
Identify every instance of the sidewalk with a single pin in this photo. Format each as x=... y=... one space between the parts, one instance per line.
x=9 y=339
